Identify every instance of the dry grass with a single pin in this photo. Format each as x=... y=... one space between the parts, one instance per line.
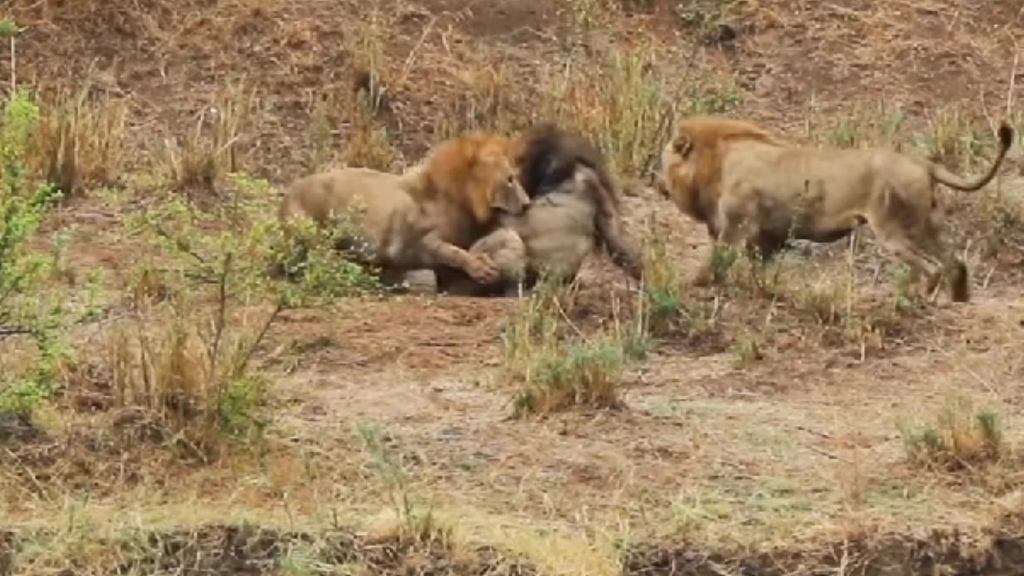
x=215 y=146
x=80 y=141
x=960 y=437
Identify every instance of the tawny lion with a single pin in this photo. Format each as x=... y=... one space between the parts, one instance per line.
x=425 y=217
x=751 y=189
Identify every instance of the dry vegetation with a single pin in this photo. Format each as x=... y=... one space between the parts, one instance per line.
x=165 y=407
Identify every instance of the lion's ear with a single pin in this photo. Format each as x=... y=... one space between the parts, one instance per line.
x=682 y=145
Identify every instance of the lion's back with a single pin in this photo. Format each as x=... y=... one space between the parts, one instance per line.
x=321 y=194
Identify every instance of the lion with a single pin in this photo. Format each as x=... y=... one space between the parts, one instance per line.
x=575 y=208
x=425 y=217
x=552 y=238
x=549 y=155
x=750 y=188
x=386 y=233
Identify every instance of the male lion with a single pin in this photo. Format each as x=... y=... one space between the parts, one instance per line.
x=750 y=188
x=549 y=157
x=574 y=208
x=425 y=217
x=553 y=237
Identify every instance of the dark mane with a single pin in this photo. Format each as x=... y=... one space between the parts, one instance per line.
x=549 y=156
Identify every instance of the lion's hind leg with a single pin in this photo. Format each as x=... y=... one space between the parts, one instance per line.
x=919 y=260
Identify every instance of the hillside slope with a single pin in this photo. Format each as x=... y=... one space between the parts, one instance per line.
x=762 y=432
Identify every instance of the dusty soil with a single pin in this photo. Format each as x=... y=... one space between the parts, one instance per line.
x=790 y=464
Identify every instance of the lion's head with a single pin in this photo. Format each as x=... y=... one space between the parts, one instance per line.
x=476 y=170
x=691 y=161
x=496 y=170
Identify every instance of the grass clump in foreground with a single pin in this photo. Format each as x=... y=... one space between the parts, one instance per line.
x=202 y=306
x=558 y=368
x=960 y=437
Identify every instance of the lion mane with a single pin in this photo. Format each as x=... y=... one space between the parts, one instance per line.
x=472 y=179
x=549 y=156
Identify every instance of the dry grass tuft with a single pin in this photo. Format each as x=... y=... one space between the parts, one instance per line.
x=79 y=141
x=555 y=367
x=960 y=437
x=216 y=145
x=180 y=386
x=626 y=105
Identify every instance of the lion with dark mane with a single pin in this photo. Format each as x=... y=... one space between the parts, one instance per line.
x=750 y=189
x=575 y=207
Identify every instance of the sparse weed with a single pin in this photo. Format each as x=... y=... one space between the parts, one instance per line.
x=954 y=139
x=707 y=17
x=960 y=437
x=665 y=308
x=319 y=135
x=747 y=349
x=489 y=102
x=412 y=525
x=366 y=42
x=216 y=145
x=865 y=126
x=368 y=144
x=588 y=15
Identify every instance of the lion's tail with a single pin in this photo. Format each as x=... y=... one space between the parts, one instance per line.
x=958 y=182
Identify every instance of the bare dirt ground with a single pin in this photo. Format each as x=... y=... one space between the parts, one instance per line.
x=768 y=443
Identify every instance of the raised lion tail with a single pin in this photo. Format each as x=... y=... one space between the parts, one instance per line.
x=943 y=175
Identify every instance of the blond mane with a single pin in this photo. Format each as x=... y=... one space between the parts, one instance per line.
x=462 y=172
x=707 y=138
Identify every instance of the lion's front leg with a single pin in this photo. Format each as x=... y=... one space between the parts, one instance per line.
x=479 y=266
x=732 y=233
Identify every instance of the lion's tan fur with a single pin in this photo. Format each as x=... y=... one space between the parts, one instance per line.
x=471 y=179
x=385 y=214
x=427 y=216
x=749 y=187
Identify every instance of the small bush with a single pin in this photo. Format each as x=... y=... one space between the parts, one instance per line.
x=960 y=437
x=25 y=307
x=554 y=366
x=185 y=358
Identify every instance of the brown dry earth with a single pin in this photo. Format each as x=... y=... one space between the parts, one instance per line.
x=792 y=464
